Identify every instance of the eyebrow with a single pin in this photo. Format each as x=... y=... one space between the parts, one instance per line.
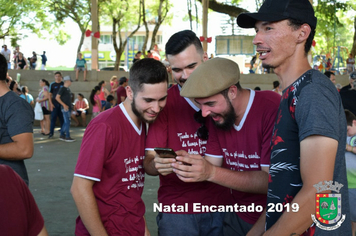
x=148 y=98
x=192 y=64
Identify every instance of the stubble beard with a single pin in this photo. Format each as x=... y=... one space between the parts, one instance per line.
x=229 y=119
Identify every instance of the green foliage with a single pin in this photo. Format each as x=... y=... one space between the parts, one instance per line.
x=22 y=14
x=334 y=27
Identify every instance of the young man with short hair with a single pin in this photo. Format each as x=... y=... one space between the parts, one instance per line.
x=109 y=176
x=54 y=106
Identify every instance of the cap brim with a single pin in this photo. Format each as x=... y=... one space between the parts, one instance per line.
x=248 y=20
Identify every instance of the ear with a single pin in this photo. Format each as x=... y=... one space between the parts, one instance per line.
x=304 y=33
x=129 y=92
x=205 y=57
x=232 y=94
x=354 y=123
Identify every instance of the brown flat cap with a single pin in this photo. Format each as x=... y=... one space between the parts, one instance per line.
x=210 y=78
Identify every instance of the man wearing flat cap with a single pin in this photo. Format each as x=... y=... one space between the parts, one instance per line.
x=238 y=148
x=308 y=142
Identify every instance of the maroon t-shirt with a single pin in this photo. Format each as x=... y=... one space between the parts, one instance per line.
x=19 y=213
x=247 y=147
x=120 y=92
x=176 y=128
x=112 y=154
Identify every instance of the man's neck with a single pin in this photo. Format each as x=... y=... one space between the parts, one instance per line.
x=240 y=104
x=3 y=88
x=128 y=108
x=291 y=72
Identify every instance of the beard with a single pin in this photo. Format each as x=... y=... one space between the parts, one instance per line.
x=268 y=67
x=139 y=114
x=229 y=118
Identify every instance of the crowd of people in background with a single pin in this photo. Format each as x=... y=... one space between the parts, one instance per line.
x=20 y=62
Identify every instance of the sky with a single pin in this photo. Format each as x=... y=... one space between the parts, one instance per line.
x=65 y=55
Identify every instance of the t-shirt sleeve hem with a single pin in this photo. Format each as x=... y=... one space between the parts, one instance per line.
x=215 y=156
x=317 y=132
x=87 y=177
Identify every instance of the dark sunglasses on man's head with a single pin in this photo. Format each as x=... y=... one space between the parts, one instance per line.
x=202 y=132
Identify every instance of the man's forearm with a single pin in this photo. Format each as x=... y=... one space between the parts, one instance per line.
x=245 y=181
x=21 y=148
x=296 y=223
x=88 y=209
x=149 y=165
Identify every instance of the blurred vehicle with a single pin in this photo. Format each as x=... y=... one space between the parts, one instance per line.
x=111 y=68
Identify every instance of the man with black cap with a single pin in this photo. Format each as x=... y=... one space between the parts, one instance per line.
x=239 y=142
x=308 y=143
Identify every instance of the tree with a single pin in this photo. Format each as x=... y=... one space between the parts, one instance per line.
x=123 y=15
x=159 y=9
x=77 y=10
x=21 y=14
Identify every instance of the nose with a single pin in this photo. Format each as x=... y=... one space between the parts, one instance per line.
x=257 y=39
x=204 y=111
x=185 y=74
x=158 y=106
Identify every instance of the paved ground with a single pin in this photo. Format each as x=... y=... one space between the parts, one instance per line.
x=50 y=172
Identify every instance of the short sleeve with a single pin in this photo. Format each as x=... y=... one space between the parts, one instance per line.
x=94 y=150
x=320 y=117
x=19 y=118
x=61 y=91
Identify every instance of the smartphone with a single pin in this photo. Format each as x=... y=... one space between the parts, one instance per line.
x=165 y=152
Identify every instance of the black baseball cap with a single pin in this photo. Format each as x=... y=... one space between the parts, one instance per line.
x=277 y=10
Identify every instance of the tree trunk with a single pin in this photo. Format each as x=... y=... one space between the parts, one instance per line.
x=161 y=17
x=81 y=40
x=144 y=46
x=353 y=50
x=225 y=8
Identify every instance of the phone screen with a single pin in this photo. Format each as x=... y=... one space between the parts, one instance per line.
x=165 y=152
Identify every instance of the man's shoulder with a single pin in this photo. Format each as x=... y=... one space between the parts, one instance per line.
x=12 y=100
x=112 y=117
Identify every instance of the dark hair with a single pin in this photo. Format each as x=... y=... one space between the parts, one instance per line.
x=350 y=117
x=58 y=73
x=225 y=92
x=45 y=81
x=3 y=67
x=329 y=73
x=109 y=98
x=296 y=24
x=147 y=71
x=275 y=84
x=92 y=94
x=257 y=88
x=79 y=94
x=24 y=89
x=12 y=84
x=101 y=83
x=122 y=80
x=179 y=41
